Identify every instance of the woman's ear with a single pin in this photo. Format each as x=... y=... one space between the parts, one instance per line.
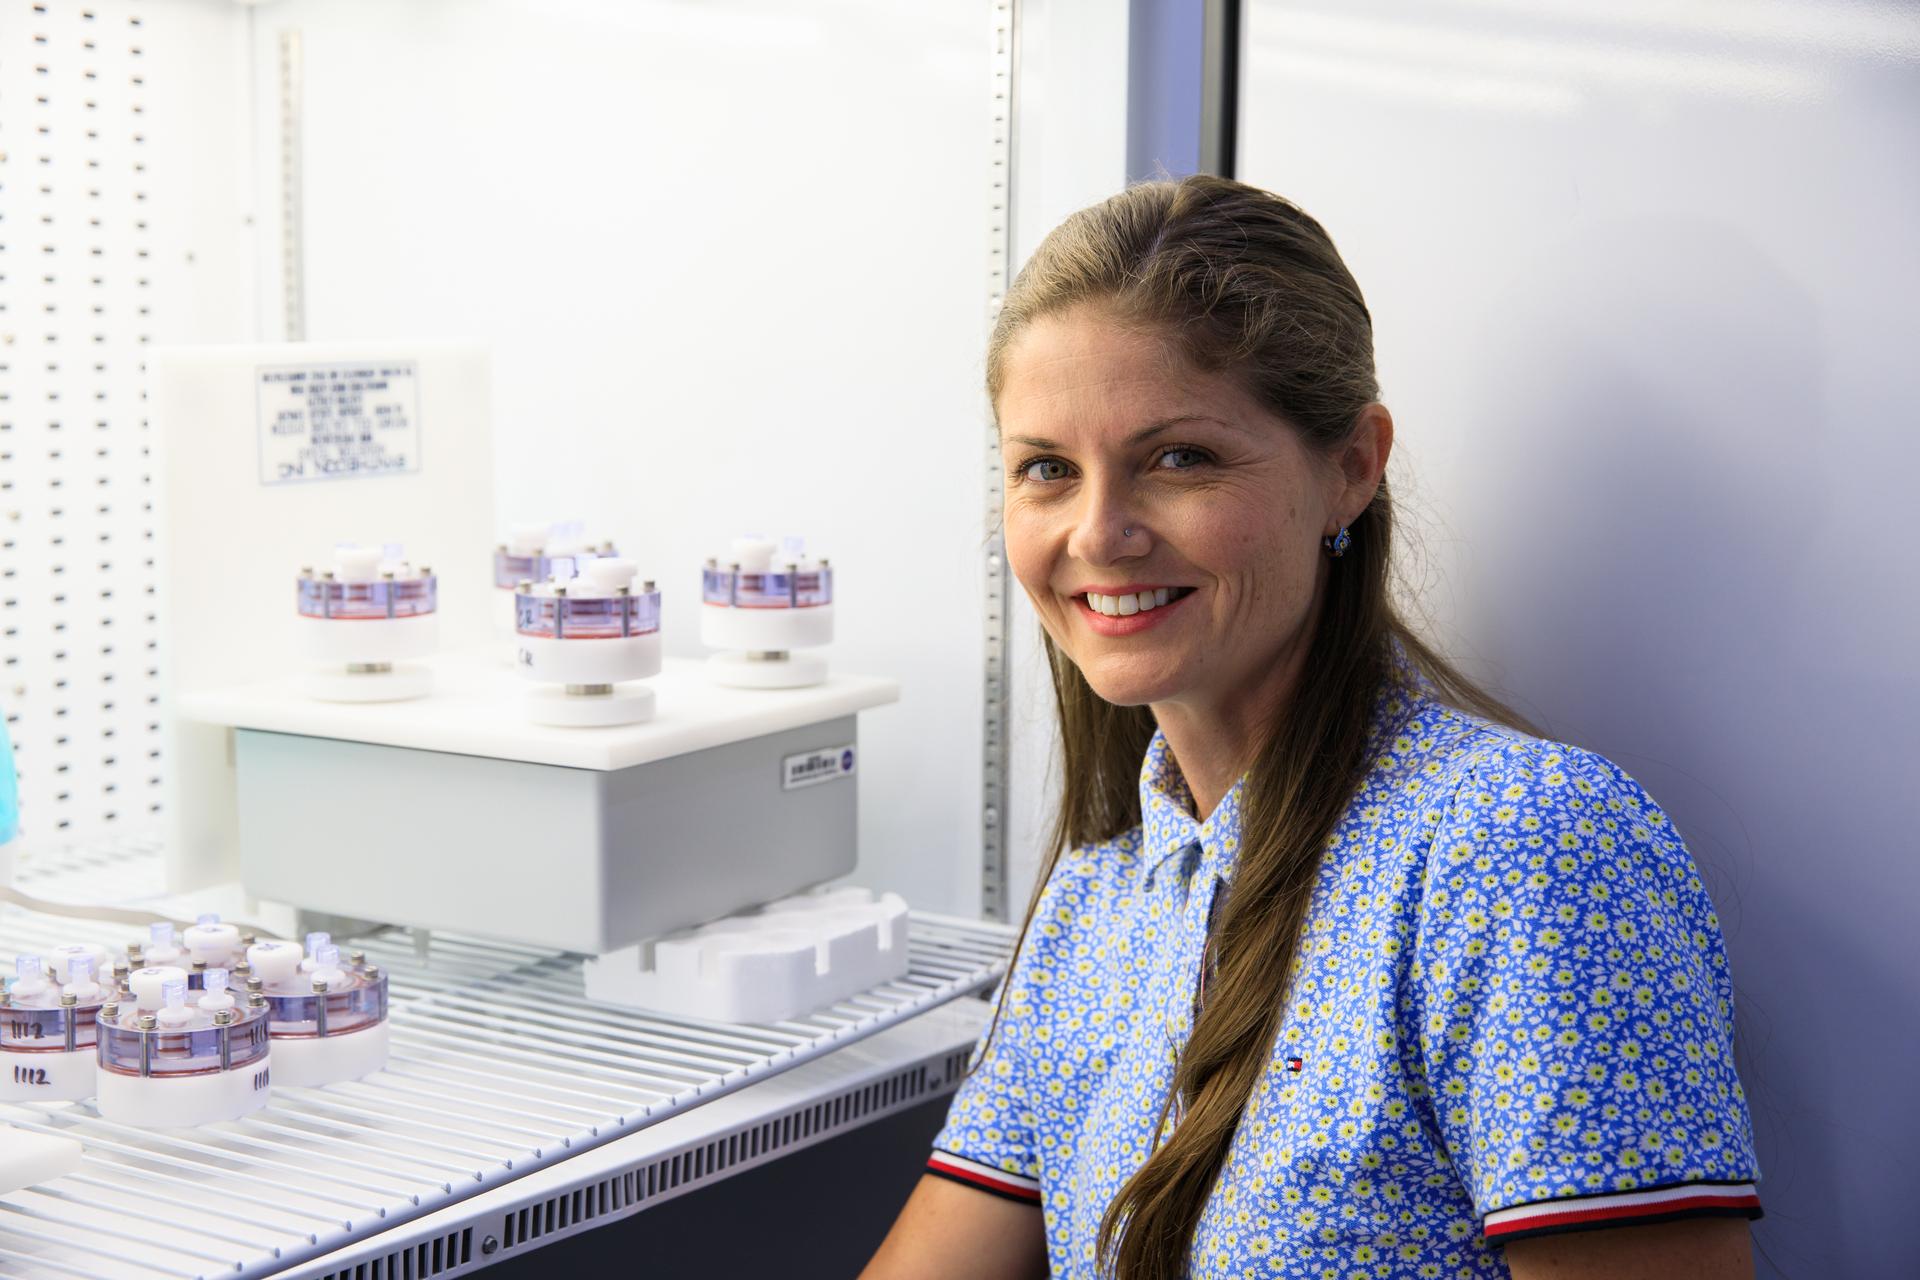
x=1363 y=460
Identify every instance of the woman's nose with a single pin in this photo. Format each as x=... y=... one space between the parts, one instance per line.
x=1106 y=530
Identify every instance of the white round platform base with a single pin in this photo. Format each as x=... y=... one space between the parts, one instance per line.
x=397 y=685
x=56 y=1076
x=795 y=671
x=310 y=1063
x=156 y=1102
x=552 y=704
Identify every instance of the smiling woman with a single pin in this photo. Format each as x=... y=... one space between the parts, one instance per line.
x=1333 y=970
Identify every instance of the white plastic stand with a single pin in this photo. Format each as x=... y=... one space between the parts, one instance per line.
x=29 y=1159
x=310 y=1063
x=398 y=684
x=624 y=704
x=158 y=1102
x=48 y=1075
x=765 y=966
x=785 y=670
x=334 y=646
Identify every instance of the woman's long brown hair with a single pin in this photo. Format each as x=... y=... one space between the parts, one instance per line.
x=1246 y=285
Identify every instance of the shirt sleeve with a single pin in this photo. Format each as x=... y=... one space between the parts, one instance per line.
x=1575 y=1006
x=993 y=1138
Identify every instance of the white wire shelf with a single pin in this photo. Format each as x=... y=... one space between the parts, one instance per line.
x=500 y=1066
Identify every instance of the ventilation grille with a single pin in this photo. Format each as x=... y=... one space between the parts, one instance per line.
x=683 y=1171
x=418 y=1262
x=79 y=682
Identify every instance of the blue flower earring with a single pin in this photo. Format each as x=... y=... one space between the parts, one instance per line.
x=1337 y=545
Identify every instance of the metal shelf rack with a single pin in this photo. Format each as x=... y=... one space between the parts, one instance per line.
x=500 y=1067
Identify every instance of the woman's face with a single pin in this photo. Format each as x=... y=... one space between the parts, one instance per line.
x=1105 y=428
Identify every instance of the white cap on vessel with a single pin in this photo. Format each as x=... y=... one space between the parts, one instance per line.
x=753 y=553
x=149 y=985
x=274 y=961
x=526 y=539
x=211 y=940
x=62 y=958
x=356 y=564
x=606 y=575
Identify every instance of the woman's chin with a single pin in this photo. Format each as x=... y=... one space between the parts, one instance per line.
x=1129 y=688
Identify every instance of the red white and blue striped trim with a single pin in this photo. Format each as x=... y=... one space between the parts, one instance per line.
x=1623 y=1208
x=984 y=1176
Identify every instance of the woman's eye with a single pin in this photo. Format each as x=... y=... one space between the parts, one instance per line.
x=1182 y=458
x=1046 y=469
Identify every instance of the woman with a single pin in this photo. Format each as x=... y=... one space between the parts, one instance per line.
x=1333 y=973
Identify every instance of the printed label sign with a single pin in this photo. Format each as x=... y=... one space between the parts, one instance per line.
x=822 y=765
x=338 y=421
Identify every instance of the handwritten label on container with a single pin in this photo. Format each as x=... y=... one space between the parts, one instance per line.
x=338 y=421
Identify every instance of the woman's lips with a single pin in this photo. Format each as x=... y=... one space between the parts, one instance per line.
x=1129 y=624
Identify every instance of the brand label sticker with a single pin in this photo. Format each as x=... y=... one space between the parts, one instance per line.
x=824 y=764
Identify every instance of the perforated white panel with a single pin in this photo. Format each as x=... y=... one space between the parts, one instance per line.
x=78 y=638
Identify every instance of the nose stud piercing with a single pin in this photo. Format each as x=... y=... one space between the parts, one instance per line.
x=1126 y=533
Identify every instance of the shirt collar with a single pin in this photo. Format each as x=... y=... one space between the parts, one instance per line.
x=1167 y=822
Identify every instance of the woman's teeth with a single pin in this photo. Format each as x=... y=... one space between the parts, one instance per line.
x=1128 y=605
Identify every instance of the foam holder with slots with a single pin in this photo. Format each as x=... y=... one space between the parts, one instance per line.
x=767 y=965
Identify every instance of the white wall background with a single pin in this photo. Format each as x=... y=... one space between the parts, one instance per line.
x=731 y=261
x=1644 y=280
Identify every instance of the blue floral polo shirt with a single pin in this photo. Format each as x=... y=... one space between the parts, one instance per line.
x=1510 y=1013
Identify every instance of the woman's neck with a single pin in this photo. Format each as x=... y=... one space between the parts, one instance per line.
x=1214 y=739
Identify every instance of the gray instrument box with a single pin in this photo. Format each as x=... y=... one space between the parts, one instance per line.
x=579 y=859
x=452 y=812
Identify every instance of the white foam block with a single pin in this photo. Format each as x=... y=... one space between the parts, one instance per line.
x=768 y=965
x=28 y=1159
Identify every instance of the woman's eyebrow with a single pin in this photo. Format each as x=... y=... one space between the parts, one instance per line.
x=1141 y=436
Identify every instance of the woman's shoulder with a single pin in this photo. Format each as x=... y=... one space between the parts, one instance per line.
x=1440 y=742
x=1493 y=782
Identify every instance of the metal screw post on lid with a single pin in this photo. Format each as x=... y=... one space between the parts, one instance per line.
x=183 y=1060
x=362 y=623
x=760 y=605
x=587 y=634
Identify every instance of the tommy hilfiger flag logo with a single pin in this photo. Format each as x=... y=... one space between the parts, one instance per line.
x=1294 y=1064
